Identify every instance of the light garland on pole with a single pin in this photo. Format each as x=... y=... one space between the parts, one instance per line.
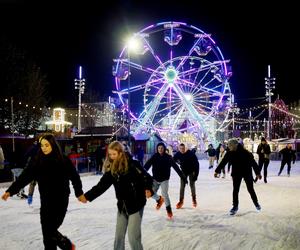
x=270 y=85
x=80 y=85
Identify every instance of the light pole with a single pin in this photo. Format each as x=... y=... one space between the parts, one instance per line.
x=133 y=44
x=128 y=105
x=234 y=110
x=12 y=123
x=250 y=124
x=270 y=85
x=80 y=85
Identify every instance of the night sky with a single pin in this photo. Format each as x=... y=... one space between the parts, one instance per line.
x=252 y=34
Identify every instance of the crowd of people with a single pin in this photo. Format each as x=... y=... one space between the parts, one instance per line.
x=44 y=164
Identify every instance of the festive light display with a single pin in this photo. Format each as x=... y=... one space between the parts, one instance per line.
x=177 y=81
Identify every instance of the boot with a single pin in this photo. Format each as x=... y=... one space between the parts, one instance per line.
x=194 y=201
x=160 y=201
x=63 y=242
x=233 y=210
x=169 y=212
x=179 y=204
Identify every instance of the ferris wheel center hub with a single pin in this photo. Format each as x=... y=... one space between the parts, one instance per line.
x=171 y=74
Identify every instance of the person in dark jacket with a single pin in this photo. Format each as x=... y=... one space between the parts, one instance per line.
x=161 y=163
x=100 y=155
x=189 y=165
x=242 y=163
x=288 y=155
x=52 y=171
x=132 y=186
x=28 y=159
x=263 y=151
x=211 y=155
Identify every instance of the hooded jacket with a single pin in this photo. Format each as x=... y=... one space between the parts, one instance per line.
x=161 y=166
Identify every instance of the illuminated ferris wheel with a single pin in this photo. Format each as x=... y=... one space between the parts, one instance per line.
x=172 y=77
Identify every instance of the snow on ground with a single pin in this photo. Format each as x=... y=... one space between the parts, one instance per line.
x=92 y=226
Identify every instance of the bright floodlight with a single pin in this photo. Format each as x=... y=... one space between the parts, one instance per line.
x=171 y=74
x=134 y=44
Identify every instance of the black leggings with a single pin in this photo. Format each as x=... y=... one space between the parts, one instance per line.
x=52 y=216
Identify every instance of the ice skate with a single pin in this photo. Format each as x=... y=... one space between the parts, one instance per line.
x=169 y=212
x=179 y=204
x=233 y=210
x=159 y=202
x=194 y=201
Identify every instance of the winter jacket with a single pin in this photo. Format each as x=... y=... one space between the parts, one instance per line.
x=161 y=167
x=52 y=177
x=242 y=163
x=188 y=162
x=263 y=151
x=288 y=155
x=129 y=187
x=211 y=152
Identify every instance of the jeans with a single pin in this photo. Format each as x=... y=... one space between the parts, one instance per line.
x=164 y=191
x=192 y=186
x=133 y=223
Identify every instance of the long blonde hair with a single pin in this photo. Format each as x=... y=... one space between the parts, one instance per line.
x=119 y=165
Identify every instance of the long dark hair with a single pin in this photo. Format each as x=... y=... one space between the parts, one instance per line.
x=56 y=150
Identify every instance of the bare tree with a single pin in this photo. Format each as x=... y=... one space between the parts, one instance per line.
x=24 y=81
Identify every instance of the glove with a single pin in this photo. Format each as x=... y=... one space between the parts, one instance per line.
x=29 y=199
x=258 y=176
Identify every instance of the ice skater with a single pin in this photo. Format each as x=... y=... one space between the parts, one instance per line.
x=222 y=152
x=263 y=151
x=52 y=171
x=242 y=163
x=132 y=186
x=211 y=156
x=189 y=165
x=288 y=156
x=161 y=163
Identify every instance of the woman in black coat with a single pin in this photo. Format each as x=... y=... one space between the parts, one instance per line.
x=52 y=171
x=132 y=186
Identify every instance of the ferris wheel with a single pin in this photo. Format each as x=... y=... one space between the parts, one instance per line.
x=172 y=77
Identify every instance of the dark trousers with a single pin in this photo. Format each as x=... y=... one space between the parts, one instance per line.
x=236 y=188
x=283 y=164
x=192 y=186
x=264 y=163
x=52 y=216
